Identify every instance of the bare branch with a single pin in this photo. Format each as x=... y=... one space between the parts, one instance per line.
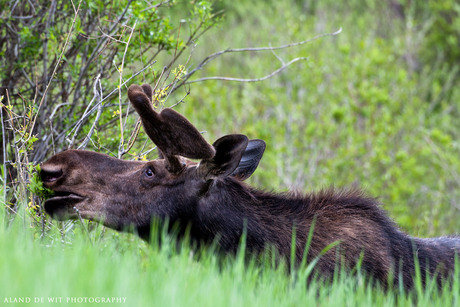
x=79 y=123
x=98 y=94
x=87 y=114
x=4 y=149
x=97 y=48
x=120 y=70
x=277 y=56
x=56 y=66
x=187 y=92
x=217 y=54
x=250 y=80
x=154 y=6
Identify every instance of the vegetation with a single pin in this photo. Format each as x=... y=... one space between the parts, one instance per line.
x=376 y=106
x=119 y=266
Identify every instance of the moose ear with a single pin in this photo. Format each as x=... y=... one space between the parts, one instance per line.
x=229 y=151
x=250 y=160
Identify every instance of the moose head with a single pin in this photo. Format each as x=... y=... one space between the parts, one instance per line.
x=126 y=194
x=210 y=201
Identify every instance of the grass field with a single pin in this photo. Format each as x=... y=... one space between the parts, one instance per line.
x=122 y=270
x=365 y=109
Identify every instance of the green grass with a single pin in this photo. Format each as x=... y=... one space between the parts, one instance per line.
x=354 y=113
x=122 y=266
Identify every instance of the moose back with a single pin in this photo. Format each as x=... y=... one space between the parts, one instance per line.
x=211 y=200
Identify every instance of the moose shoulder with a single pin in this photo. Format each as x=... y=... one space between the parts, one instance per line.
x=212 y=201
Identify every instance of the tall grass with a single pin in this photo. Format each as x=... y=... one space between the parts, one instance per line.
x=356 y=113
x=122 y=267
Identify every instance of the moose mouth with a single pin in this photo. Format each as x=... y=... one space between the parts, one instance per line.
x=61 y=205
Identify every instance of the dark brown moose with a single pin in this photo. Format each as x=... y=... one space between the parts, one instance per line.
x=210 y=200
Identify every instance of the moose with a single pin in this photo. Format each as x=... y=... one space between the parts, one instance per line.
x=210 y=201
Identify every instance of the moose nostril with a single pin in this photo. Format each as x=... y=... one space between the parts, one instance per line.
x=50 y=175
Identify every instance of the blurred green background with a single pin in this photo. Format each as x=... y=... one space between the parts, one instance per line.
x=376 y=106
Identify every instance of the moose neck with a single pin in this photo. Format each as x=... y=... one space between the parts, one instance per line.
x=229 y=209
x=222 y=208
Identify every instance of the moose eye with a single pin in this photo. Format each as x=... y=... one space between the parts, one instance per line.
x=149 y=172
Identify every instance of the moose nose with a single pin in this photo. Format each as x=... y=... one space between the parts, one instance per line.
x=49 y=173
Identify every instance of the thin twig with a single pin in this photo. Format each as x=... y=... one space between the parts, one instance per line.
x=219 y=53
x=56 y=67
x=97 y=48
x=156 y=5
x=77 y=127
x=98 y=94
x=83 y=224
x=187 y=92
x=277 y=56
x=133 y=137
x=250 y=80
x=88 y=114
x=4 y=151
x=121 y=69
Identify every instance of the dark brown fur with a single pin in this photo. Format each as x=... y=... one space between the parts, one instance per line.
x=211 y=199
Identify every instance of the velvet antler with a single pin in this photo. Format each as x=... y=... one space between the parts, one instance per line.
x=173 y=134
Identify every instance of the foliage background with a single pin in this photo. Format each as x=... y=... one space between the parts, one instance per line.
x=376 y=106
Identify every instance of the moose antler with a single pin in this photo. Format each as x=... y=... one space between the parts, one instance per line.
x=173 y=134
